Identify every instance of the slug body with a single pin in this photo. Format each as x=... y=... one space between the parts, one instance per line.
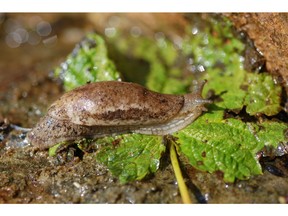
x=108 y=108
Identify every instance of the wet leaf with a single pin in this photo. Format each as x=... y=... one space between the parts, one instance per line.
x=228 y=86
x=133 y=157
x=88 y=62
x=212 y=144
x=264 y=96
x=272 y=133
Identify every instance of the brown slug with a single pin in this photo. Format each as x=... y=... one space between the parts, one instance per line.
x=112 y=107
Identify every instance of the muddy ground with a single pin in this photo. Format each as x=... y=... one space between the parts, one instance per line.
x=27 y=89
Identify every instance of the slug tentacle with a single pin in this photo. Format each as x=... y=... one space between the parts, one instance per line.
x=112 y=107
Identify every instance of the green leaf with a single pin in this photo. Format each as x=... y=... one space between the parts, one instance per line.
x=133 y=157
x=88 y=62
x=272 y=133
x=53 y=150
x=212 y=144
x=162 y=56
x=264 y=96
x=228 y=85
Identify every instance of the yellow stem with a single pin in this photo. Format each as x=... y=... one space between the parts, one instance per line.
x=181 y=183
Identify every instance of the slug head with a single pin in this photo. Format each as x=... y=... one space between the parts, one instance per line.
x=194 y=101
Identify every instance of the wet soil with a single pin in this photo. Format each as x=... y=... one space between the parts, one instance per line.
x=29 y=176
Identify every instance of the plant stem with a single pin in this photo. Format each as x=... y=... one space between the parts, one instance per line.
x=181 y=183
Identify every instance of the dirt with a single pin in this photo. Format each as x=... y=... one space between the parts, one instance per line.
x=26 y=90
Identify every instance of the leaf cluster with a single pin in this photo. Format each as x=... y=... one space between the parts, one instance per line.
x=213 y=142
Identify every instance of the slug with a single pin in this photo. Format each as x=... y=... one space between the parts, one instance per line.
x=112 y=107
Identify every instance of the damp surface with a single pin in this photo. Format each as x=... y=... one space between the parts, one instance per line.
x=31 y=46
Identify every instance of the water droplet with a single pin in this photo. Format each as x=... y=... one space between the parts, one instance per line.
x=13 y=40
x=206 y=196
x=23 y=34
x=50 y=41
x=135 y=31
x=178 y=42
x=200 y=68
x=110 y=32
x=194 y=30
x=159 y=35
x=43 y=28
